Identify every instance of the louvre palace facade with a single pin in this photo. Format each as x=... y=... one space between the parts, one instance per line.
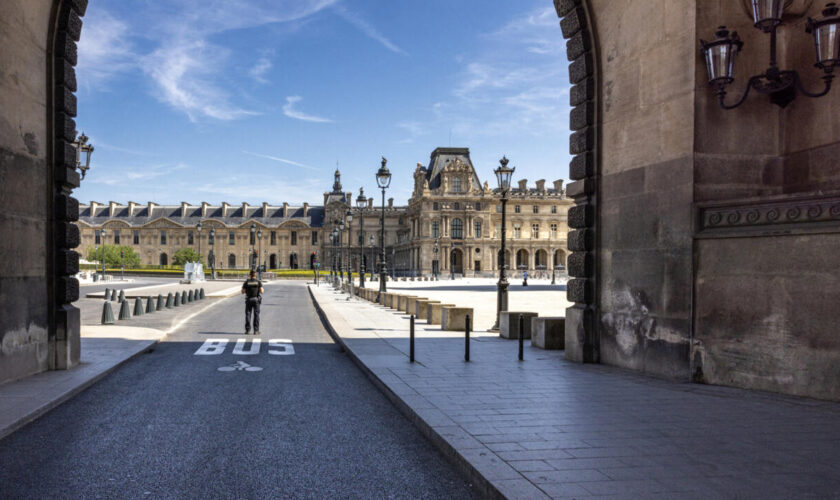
x=451 y=225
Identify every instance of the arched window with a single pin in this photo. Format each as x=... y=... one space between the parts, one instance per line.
x=164 y=259
x=457 y=229
x=231 y=261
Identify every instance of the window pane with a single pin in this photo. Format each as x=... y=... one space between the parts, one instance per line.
x=190 y=240
x=231 y=238
x=457 y=229
x=435 y=229
x=97 y=237
x=116 y=236
x=294 y=237
x=536 y=209
x=477 y=229
x=136 y=237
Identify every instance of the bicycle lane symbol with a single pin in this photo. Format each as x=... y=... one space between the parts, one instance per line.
x=215 y=347
x=239 y=366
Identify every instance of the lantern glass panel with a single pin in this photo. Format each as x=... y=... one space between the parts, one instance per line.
x=827 y=42
x=720 y=62
x=767 y=13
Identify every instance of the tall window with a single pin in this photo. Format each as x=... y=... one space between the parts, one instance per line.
x=456 y=184
x=435 y=229
x=554 y=209
x=136 y=237
x=97 y=237
x=274 y=237
x=536 y=209
x=116 y=236
x=478 y=206
x=163 y=239
x=435 y=206
x=164 y=260
x=498 y=209
x=535 y=231
x=190 y=238
x=516 y=209
x=314 y=237
x=231 y=261
x=231 y=238
x=477 y=228
x=457 y=229
x=554 y=230
x=294 y=237
x=253 y=237
x=517 y=231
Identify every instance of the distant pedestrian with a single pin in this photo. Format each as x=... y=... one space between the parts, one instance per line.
x=252 y=288
x=525 y=278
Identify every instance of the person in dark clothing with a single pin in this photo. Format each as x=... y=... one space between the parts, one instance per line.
x=252 y=288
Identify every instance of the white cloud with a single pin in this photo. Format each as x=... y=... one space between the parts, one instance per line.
x=104 y=50
x=260 y=68
x=290 y=111
x=264 y=188
x=366 y=28
x=281 y=160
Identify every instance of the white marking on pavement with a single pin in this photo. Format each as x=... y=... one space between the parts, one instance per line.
x=240 y=347
x=284 y=344
x=239 y=366
x=212 y=347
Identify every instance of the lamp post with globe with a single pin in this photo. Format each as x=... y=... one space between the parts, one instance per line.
x=503 y=175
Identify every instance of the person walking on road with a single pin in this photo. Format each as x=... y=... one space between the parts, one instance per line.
x=252 y=288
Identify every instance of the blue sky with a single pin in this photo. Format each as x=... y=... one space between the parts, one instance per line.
x=256 y=100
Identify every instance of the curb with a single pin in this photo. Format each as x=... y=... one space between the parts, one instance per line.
x=482 y=485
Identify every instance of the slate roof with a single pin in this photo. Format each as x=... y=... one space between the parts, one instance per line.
x=440 y=157
x=273 y=216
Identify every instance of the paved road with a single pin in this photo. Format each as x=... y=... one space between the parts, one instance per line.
x=170 y=424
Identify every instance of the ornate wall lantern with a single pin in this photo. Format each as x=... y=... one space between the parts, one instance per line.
x=82 y=146
x=781 y=85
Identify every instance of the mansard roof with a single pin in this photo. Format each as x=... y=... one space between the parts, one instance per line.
x=441 y=157
x=271 y=216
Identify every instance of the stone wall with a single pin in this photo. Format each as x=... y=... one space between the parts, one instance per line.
x=25 y=189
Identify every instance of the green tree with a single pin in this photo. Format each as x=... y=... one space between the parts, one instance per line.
x=185 y=255
x=112 y=256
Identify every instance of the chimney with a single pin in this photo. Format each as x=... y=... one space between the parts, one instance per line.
x=245 y=209
x=93 y=206
x=541 y=186
x=204 y=206
x=523 y=185
x=305 y=209
x=370 y=203
x=285 y=209
x=349 y=198
x=131 y=207
x=225 y=209
x=265 y=209
x=184 y=207
x=150 y=206
x=112 y=208
x=390 y=203
x=558 y=185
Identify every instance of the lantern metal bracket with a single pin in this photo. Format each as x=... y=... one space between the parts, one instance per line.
x=782 y=86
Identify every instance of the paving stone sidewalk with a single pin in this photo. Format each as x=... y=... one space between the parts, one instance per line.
x=546 y=427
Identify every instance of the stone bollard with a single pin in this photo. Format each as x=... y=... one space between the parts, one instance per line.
x=107 y=294
x=548 y=332
x=107 y=314
x=161 y=303
x=113 y=295
x=121 y=298
x=409 y=303
x=435 y=313
x=184 y=297
x=509 y=324
x=421 y=307
x=455 y=318
x=190 y=296
x=201 y=294
x=125 y=312
x=177 y=299
x=150 y=305
x=138 y=306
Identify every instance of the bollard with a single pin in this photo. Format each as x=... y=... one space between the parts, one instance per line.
x=121 y=298
x=184 y=297
x=107 y=314
x=113 y=295
x=162 y=303
x=125 y=312
x=201 y=294
x=190 y=297
x=107 y=293
x=521 y=336
x=150 y=305
x=467 y=338
x=138 y=306
x=177 y=299
x=411 y=339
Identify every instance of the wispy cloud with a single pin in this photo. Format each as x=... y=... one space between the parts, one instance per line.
x=281 y=160
x=260 y=68
x=104 y=50
x=290 y=111
x=414 y=129
x=264 y=188
x=366 y=28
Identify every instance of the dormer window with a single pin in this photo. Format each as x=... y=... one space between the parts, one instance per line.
x=456 y=184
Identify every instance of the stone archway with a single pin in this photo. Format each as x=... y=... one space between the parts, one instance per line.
x=231 y=261
x=164 y=260
x=559 y=258
x=272 y=261
x=541 y=259
x=457 y=261
x=522 y=262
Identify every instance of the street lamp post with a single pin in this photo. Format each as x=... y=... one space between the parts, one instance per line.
x=372 y=242
x=451 y=261
x=212 y=257
x=436 y=266
x=259 y=264
x=341 y=263
x=251 y=260
x=349 y=217
x=361 y=203
x=102 y=235
x=332 y=258
x=198 y=230
x=503 y=175
x=383 y=180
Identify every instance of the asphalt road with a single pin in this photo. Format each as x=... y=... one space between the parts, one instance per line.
x=169 y=424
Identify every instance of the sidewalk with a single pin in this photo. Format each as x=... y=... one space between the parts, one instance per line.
x=546 y=427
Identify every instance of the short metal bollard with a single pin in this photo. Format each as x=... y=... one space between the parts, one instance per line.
x=467 y=338
x=411 y=339
x=521 y=336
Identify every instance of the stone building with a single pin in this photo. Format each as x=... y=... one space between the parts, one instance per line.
x=449 y=209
